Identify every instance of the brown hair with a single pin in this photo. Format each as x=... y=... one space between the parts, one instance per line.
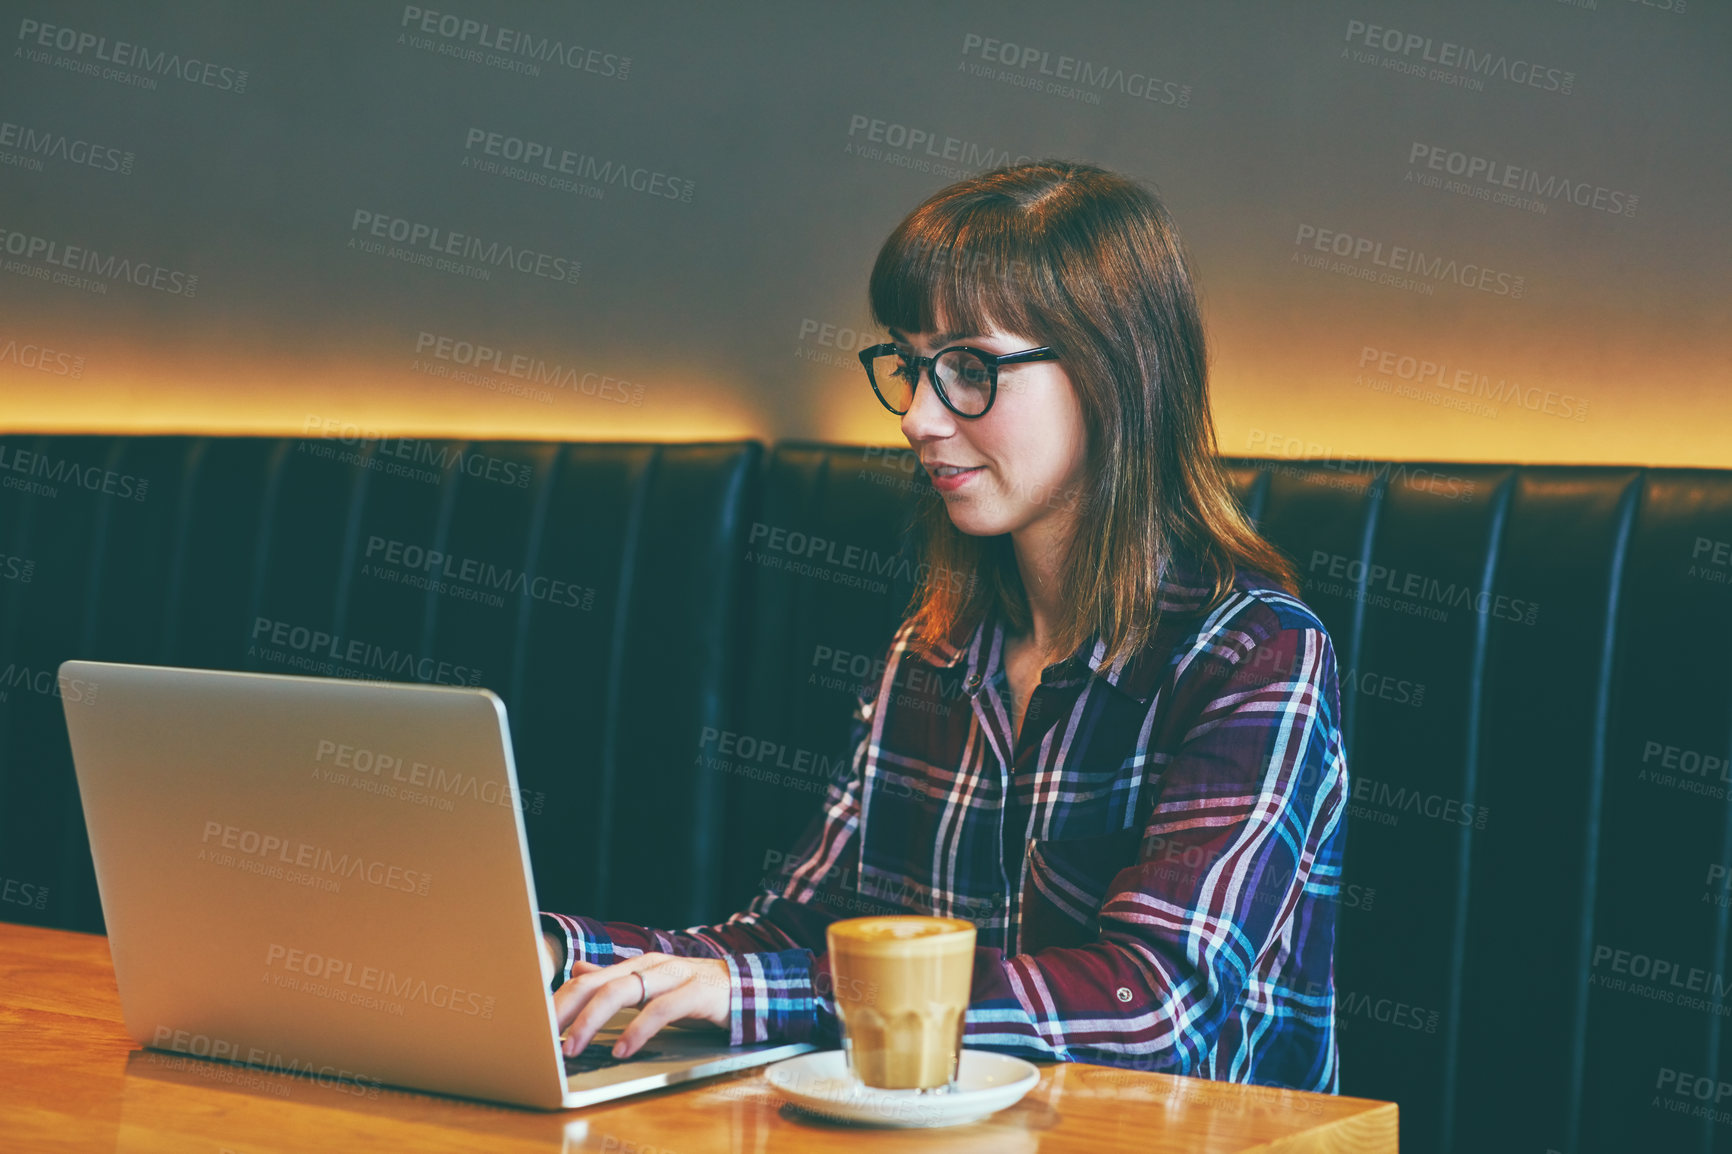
x=1087 y=261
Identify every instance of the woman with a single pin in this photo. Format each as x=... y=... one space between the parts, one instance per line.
x=1138 y=798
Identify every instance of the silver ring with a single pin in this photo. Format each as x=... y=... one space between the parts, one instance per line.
x=643 y=994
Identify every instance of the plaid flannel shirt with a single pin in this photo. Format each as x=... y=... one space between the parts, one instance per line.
x=1190 y=934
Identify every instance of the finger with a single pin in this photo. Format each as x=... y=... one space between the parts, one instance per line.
x=598 y=974
x=602 y=1004
x=570 y=988
x=678 y=1002
x=570 y=998
x=622 y=992
x=619 y=992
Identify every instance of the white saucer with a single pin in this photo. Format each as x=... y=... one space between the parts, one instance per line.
x=822 y=1084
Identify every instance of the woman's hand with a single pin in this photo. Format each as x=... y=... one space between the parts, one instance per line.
x=674 y=989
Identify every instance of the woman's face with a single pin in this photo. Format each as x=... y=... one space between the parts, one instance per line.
x=1025 y=456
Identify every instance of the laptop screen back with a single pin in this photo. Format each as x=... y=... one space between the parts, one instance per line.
x=323 y=876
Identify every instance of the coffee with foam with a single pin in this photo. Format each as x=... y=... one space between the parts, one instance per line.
x=902 y=988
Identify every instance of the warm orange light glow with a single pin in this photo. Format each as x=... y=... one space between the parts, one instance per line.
x=1335 y=378
x=135 y=392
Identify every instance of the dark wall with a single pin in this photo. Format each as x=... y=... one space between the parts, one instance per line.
x=1465 y=231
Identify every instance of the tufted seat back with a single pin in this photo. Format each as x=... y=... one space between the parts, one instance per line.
x=1536 y=690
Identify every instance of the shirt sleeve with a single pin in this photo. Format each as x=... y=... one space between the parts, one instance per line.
x=770 y=946
x=1250 y=807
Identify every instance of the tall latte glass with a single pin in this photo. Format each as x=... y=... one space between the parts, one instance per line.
x=902 y=987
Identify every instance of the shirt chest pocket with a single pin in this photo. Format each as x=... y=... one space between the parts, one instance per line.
x=1064 y=884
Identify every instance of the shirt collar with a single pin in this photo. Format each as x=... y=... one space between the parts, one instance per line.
x=1184 y=591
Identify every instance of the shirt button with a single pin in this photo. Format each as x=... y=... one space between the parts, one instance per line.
x=1124 y=994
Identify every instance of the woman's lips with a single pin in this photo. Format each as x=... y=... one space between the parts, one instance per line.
x=954 y=481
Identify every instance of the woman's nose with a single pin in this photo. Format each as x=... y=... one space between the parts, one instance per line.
x=926 y=415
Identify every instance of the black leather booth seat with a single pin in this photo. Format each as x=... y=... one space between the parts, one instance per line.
x=1536 y=685
x=310 y=556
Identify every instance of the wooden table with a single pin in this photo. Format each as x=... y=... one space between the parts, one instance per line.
x=70 y=1079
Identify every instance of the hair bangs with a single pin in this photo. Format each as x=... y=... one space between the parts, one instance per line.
x=964 y=267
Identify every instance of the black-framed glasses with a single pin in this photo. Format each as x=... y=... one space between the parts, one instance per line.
x=965 y=377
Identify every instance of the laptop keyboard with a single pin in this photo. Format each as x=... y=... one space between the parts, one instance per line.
x=599 y=1056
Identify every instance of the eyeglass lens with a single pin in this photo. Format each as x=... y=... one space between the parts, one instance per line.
x=965 y=379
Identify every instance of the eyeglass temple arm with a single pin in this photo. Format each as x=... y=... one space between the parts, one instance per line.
x=1044 y=353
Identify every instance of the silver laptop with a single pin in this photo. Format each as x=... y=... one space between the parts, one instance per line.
x=331 y=878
